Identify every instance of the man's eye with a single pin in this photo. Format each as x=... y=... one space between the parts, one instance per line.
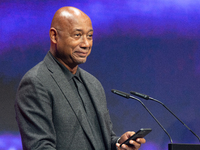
x=90 y=35
x=77 y=35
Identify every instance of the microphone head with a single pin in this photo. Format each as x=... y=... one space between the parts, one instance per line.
x=140 y=95
x=126 y=95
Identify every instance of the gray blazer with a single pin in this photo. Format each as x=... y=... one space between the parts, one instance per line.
x=49 y=115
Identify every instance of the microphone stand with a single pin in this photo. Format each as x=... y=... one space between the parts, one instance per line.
x=172 y=146
x=126 y=95
x=174 y=116
x=153 y=117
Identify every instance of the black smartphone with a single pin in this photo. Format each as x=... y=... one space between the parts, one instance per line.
x=139 y=134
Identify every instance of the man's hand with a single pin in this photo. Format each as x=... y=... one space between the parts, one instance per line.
x=136 y=144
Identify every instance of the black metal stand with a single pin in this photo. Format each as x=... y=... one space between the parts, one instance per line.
x=183 y=146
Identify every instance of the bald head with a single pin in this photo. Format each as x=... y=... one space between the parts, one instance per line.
x=66 y=15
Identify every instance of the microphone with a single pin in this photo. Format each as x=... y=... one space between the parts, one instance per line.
x=126 y=95
x=123 y=94
x=150 y=98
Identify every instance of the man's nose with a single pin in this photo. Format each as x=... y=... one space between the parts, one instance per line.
x=85 y=43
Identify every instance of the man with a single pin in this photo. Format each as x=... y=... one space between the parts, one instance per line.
x=61 y=106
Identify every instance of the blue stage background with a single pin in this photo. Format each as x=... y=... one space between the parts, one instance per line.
x=149 y=46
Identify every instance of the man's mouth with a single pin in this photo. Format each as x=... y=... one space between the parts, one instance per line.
x=81 y=54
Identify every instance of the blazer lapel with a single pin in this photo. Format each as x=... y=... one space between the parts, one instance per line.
x=99 y=102
x=68 y=92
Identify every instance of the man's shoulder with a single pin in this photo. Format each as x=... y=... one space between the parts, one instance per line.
x=89 y=78
x=36 y=70
x=39 y=69
x=86 y=75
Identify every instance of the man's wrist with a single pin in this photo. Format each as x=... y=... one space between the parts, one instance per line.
x=118 y=140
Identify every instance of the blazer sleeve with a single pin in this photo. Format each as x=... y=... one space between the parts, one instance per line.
x=34 y=115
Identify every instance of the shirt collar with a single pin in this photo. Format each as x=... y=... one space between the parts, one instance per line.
x=77 y=74
x=67 y=73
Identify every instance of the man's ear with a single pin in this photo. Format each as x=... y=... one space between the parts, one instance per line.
x=53 y=35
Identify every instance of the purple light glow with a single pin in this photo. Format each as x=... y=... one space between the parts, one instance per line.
x=10 y=141
x=150 y=146
x=21 y=26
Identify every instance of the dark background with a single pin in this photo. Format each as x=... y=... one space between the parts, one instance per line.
x=148 y=46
